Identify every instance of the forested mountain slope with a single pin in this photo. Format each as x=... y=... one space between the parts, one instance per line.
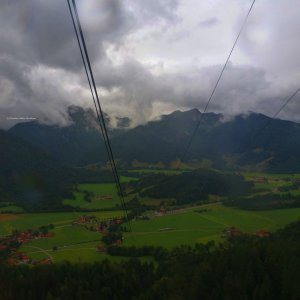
x=232 y=144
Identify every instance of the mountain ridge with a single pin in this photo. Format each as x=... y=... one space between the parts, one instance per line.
x=237 y=143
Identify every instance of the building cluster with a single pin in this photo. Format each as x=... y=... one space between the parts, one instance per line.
x=21 y=258
x=82 y=220
x=27 y=236
x=101 y=225
x=9 y=246
x=104 y=226
x=232 y=231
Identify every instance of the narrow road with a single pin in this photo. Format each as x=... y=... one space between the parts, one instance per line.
x=41 y=250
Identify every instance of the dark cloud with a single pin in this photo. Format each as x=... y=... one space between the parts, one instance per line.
x=38 y=44
x=41 y=70
x=41 y=32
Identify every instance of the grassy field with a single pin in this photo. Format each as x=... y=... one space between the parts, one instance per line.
x=146 y=171
x=73 y=242
x=189 y=226
x=11 y=208
x=76 y=253
x=273 y=182
x=9 y=222
x=271 y=175
x=99 y=189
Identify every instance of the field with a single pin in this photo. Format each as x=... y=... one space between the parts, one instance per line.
x=190 y=226
x=11 y=208
x=149 y=171
x=272 y=180
x=98 y=189
x=10 y=222
x=72 y=242
x=101 y=189
x=185 y=226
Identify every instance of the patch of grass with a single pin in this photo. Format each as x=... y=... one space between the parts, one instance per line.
x=273 y=182
x=166 y=171
x=271 y=175
x=99 y=189
x=11 y=208
x=151 y=201
x=85 y=253
x=66 y=235
x=190 y=227
x=34 y=220
x=72 y=242
x=125 y=179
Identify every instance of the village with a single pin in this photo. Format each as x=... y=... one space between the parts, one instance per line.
x=9 y=245
x=232 y=232
x=109 y=228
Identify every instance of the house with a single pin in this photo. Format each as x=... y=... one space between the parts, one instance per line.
x=84 y=219
x=118 y=242
x=232 y=232
x=260 y=179
x=262 y=233
x=24 y=237
x=25 y=259
x=12 y=261
x=101 y=248
x=45 y=261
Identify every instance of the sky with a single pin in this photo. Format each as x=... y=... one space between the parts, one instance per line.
x=149 y=57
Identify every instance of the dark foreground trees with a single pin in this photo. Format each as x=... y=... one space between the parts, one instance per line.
x=245 y=268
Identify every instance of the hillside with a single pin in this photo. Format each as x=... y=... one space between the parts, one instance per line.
x=28 y=176
x=79 y=143
x=233 y=144
x=190 y=187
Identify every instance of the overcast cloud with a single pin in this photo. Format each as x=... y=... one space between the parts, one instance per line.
x=149 y=57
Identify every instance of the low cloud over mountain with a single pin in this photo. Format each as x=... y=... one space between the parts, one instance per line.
x=149 y=57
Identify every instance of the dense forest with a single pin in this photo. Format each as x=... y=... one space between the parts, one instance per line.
x=31 y=179
x=191 y=187
x=264 y=201
x=242 y=268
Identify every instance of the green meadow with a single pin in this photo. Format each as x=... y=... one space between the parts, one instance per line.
x=149 y=171
x=85 y=252
x=10 y=222
x=102 y=189
x=99 y=189
x=11 y=208
x=190 y=227
x=186 y=226
x=72 y=242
